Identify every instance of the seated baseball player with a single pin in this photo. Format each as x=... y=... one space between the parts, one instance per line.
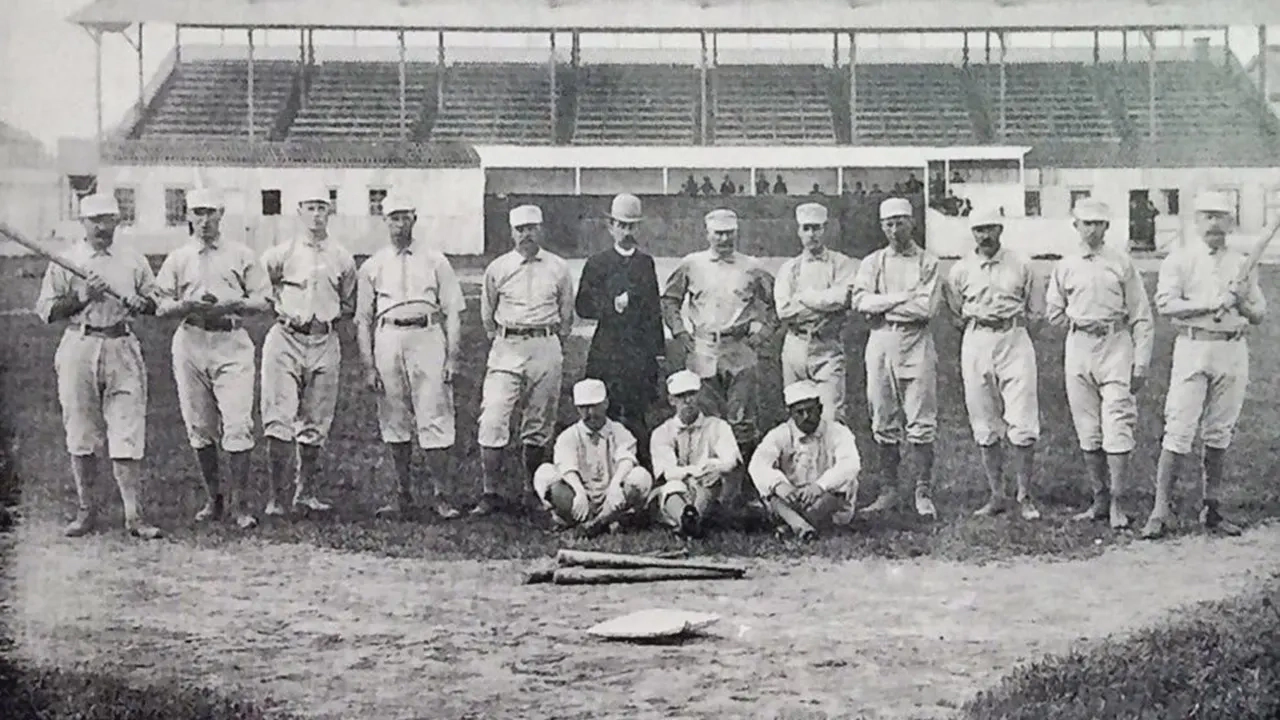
x=806 y=469
x=692 y=453
x=594 y=478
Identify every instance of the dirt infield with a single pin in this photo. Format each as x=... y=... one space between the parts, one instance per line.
x=337 y=635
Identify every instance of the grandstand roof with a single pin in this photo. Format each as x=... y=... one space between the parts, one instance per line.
x=676 y=15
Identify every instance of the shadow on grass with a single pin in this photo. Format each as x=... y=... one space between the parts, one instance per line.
x=1218 y=661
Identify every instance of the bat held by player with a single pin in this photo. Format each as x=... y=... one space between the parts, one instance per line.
x=70 y=266
x=1250 y=264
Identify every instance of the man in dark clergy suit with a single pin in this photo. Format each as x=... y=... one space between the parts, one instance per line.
x=619 y=288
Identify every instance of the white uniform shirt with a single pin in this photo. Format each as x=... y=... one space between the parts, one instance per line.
x=707 y=439
x=828 y=457
x=594 y=456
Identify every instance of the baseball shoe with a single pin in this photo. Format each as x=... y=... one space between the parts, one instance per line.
x=82 y=525
x=1096 y=511
x=212 y=510
x=994 y=506
x=1119 y=519
x=690 y=522
x=489 y=504
x=311 y=502
x=445 y=511
x=884 y=502
x=245 y=521
x=1156 y=527
x=1027 y=509
x=143 y=531
x=274 y=509
x=925 y=507
x=1212 y=520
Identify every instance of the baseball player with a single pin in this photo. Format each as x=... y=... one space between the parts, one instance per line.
x=1201 y=292
x=212 y=283
x=718 y=304
x=693 y=454
x=897 y=288
x=595 y=478
x=408 y=325
x=102 y=380
x=806 y=469
x=994 y=293
x=1099 y=297
x=812 y=296
x=619 y=288
x=313 y=283
x=526 y=305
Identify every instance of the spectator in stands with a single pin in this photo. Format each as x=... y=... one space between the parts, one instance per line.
x=708 y=188
x=779 y=187
x=967 y=207
x=938 y=186
x=727 y=186
x=875 y=189
x=817 y=189
x=898 y=188
x=762 y=186
x=690 y=186
x=913 y=184
x=956 y=177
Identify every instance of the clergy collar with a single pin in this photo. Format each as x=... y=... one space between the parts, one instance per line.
x=625 y=253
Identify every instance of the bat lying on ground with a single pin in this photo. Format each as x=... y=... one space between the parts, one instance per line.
x=580 y=567
x=9 y=233
x=1250 y=263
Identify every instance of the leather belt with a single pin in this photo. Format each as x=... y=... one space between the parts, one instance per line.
x=996 y=325
x=424 y=321
x=736 y=333
x=1100 y=328
x=1195 y=333
x=899 y=325
x=119 y=330
x=314 y=327
x=222 y=324
x=526 y=332
x=815 y=335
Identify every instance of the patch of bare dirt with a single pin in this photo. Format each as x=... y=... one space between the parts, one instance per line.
x=336 y=635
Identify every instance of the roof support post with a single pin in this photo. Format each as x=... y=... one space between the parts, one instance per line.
x=551 y=68
x=702 y=69
x=1264 y=57
x=853 y=88
x=177 y=44
x=964 y=51
x=97 y=81
x=404 y=111
x=1226 y=47
x=1003 y=85
x=1097 y=49
x=142 y=84
x=1151 y=84
x=835 y=50
x=1124 y=45
x=249 y=91
x=440 y=71
x=302 y=68
x=988 y=38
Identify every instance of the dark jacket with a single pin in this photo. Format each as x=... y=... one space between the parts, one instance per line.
x=626 y=346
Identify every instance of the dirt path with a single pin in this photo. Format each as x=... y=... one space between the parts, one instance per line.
x=344 y=636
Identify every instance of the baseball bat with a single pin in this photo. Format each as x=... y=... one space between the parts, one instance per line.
x=1255 y=257
x=607 y=576
x=591 y=559
x=68 y=265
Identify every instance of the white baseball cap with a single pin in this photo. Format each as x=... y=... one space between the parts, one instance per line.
x=314 y=192
x=1214 y=201
x=683 y=382
x=800 y=391
x=1090 y=210
x=721 y=220
x=525 y=215
x=626 y=208
x=985 y=218
x=98 y=204
x=811 y=214
x=589 y=392
x=398 y=203
x=203 y=198
x=895 y=207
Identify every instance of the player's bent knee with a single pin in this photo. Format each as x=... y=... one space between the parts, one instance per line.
x=543 y=478
x=638 y=481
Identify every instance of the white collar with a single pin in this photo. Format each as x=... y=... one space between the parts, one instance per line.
x=625 y=253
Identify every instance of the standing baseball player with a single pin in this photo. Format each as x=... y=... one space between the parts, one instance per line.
x=102 y=379
x=1099 y=297
x=993 y=293
x=313 y=282
x=408 y=325
x=1201 y=291
x=897 y=288
x=619 y=288
x=806 y=469
x=211 y=283
x=693 y=454
x=526 y=305
x=718 y=304
x=812 y=296
x=594 y=478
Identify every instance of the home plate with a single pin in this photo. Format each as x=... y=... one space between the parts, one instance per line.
x=654 y=625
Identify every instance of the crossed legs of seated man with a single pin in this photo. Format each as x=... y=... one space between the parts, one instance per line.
x=567 y=498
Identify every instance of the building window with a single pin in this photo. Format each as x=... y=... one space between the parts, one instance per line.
x=175 y=207
x=1078 y=195
x=1171 y=202
x=1031 y=204
x=376 y=196
x=333 y=201
x=127 y=201
x=270 y=202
